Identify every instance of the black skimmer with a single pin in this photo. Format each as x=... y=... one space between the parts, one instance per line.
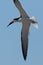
x=26 y=22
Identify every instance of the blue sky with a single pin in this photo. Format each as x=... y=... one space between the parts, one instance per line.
x=10 y=38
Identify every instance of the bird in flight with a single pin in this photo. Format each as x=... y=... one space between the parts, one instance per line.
x=26 y=22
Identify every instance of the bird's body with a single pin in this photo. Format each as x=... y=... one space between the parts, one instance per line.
x=26 y=22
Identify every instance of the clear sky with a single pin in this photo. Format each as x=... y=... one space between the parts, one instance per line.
x=10 y=38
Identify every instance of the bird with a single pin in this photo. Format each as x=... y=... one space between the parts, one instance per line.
x=26 y=23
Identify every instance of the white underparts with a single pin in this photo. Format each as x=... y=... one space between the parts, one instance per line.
x=20 y=18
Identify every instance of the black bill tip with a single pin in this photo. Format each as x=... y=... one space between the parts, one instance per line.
x=10 y=23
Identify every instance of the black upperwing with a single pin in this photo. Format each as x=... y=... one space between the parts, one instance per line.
x=20 y=8
x=24 y=39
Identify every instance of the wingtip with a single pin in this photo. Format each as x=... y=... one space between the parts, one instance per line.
x=24 y=57
x=23 y=52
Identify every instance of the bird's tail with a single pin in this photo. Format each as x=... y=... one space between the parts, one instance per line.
x=34 y=22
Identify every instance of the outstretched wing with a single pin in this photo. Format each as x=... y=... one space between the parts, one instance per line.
x=24 y=39
x=20 y=8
